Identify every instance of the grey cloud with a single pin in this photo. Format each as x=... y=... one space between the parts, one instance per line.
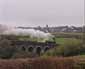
x=42 y=12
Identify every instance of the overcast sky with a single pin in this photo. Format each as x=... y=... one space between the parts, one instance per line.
x=41 y=12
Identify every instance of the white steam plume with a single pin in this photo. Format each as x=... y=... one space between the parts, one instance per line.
x=25 y=32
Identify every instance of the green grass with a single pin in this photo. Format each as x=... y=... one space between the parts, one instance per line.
x=63 y=40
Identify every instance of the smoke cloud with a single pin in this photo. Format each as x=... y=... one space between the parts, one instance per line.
x=25 y=32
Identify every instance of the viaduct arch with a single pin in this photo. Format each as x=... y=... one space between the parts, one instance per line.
x=34 y=47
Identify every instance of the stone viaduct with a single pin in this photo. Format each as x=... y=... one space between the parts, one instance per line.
x=34 y=47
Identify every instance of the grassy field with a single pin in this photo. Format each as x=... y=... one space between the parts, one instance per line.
x=63 y=33
x=63 y=40
x=68 y=35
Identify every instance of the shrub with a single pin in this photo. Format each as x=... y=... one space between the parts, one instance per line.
x=7 y=53
x=6 y=50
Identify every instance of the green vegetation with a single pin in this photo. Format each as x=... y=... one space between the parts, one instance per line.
x=68 y=35
x=62 y=41
x=70 y=44
x=68 y=47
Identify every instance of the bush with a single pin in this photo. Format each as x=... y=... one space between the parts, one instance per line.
x=7 y=53
x=6 y=50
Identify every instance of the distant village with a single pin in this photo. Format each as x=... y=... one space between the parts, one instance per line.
x=57 y=29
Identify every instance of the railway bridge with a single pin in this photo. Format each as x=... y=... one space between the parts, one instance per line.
x=34 y=47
